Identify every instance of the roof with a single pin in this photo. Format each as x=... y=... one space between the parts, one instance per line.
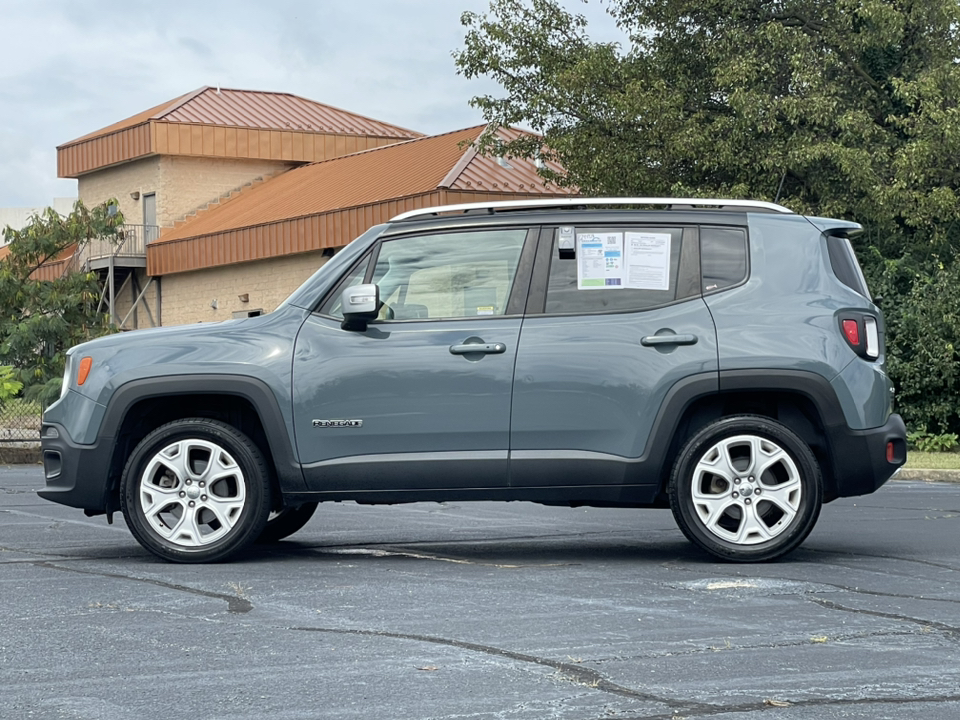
x=386 y=173
x=256 y=110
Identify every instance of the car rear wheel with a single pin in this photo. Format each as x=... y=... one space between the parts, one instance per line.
x=195 y=490
x=284 y=523
x=746 y=488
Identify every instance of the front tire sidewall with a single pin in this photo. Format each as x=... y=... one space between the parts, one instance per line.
x=255 y=474
x=682 y=503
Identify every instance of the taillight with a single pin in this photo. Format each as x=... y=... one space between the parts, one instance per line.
x=852 y=330
x=862 y=334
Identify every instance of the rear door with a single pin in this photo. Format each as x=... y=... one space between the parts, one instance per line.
x=615 y=319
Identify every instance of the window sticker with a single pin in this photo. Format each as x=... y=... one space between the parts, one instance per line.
x=600 y=260
x=648 y=261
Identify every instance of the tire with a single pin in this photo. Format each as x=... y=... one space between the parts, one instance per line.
x=195 y=491
x=286 y=522
x=746 y=489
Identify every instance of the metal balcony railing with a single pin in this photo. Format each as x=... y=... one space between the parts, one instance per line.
x=132 y=244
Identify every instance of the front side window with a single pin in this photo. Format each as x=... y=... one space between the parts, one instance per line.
x=619 y=269
x=450 y=275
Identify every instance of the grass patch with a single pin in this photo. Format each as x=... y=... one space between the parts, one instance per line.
x=933 y=460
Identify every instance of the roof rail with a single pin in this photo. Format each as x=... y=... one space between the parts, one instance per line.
x=574 y=203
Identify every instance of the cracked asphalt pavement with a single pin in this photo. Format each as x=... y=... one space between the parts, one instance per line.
x=486 y=610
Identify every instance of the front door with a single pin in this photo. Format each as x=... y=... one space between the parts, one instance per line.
x=420 y=400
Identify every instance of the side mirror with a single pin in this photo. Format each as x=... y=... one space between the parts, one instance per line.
x=359 y=304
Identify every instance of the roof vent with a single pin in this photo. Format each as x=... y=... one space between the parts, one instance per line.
x=503 y=162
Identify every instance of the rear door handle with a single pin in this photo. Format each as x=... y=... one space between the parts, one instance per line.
x=654 y=340
x=470 y=348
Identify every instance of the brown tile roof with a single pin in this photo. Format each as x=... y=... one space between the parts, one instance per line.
x=256 y=110
x=396 y=171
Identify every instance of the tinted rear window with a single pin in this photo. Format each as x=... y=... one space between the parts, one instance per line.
x=845 y=266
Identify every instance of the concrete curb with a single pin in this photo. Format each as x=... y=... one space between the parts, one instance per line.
x=19 y=453
x=951 y=476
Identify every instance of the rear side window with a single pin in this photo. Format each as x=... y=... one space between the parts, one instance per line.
x=845 y=266
x=723 y=257
x=619 y=269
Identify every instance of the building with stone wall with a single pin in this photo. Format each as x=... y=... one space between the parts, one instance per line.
x=233 y=198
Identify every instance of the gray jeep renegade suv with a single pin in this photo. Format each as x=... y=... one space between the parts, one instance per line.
x=719 y=357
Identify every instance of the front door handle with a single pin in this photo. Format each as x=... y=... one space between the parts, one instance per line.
x=654 y=340
x=485 y=348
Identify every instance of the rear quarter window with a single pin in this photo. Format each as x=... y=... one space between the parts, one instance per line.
x=723 y=257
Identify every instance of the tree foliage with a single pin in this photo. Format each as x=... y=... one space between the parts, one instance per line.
x=842 y=108
x=41 y=319
x=9 y=385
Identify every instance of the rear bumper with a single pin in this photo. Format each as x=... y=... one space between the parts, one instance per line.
x=860 y=461
x=76 y=475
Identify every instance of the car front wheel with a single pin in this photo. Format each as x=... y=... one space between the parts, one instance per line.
x=746 y=488
x=195 y=490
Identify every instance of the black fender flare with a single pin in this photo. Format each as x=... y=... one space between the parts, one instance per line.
x=715 y=385
x=251 y=389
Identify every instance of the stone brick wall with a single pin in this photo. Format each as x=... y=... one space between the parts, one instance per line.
x=182 y=184
x=118 y=182
x=189 y=183
x=189 y=297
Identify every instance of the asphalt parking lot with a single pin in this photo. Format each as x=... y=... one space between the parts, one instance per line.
x=488 y=610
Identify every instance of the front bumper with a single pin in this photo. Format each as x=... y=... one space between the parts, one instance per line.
x=76 y=475
x=860 y=458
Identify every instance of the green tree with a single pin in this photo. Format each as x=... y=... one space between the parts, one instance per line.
x=9 y=385
x=844 y=108
x=41 y=319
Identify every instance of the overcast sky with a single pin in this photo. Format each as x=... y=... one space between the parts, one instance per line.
x=69 y=67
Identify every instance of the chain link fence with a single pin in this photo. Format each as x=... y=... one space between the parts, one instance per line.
x=19 y=421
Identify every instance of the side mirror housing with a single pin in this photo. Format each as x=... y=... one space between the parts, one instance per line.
x=359 y=304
